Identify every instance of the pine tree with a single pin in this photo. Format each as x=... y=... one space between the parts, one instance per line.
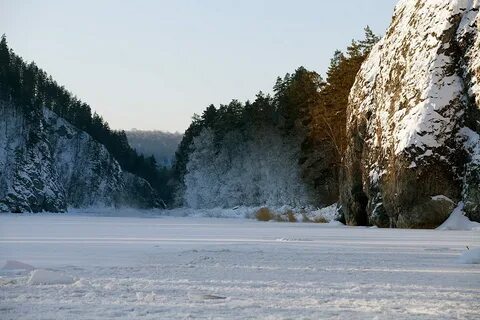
x=370 y=40
x=327 y=130
x=294 y=96
x=4 y=68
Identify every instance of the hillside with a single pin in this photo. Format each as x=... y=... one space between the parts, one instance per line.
x=162 y=145
x=55 y=154
x=49 y=165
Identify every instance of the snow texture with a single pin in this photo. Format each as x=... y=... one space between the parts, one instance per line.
x=204 y=268
x=49 y=277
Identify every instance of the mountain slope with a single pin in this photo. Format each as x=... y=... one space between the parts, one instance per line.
x=48 y=165
x=162 y=145
x=413 y=119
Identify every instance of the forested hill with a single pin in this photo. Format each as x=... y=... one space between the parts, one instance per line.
x=280 y=149
x=161 y=144
x=25 y=84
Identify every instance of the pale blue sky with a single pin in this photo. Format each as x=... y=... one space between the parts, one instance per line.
x=152 y=64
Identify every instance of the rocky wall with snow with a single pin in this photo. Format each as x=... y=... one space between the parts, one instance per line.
x=413 y=119
x=46 y=164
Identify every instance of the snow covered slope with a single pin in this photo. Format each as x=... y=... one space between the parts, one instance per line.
x=414 y=118
x=46 y=164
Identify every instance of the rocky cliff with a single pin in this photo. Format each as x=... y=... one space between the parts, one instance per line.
x=46 y=164
x=413 y=120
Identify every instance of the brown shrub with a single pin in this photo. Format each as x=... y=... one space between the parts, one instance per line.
x=320 y=219
x=291 y=216
x=264 y=214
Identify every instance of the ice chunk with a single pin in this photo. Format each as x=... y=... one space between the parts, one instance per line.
x=41 y=276
x=17 y=265
x=471 y=256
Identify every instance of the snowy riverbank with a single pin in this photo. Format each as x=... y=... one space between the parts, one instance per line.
x=326 y=214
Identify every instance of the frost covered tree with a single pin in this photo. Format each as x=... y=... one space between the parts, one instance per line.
x=259 y=170
x=201 y=176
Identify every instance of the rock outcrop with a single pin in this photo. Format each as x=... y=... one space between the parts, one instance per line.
x=413 y=120
x=46 y=164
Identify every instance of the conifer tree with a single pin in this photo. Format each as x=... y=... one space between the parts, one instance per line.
x=327 y=130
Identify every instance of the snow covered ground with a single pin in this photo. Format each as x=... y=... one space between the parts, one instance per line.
x=90 y=267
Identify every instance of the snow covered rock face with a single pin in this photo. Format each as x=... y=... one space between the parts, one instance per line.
x=413 y=119
x=46 y=164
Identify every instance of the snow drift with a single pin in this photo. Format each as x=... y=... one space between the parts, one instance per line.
x=458 y=221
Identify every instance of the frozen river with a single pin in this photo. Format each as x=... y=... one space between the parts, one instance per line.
x=207 y=268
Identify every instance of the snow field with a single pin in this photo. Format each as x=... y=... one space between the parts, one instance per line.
x=205 y=268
